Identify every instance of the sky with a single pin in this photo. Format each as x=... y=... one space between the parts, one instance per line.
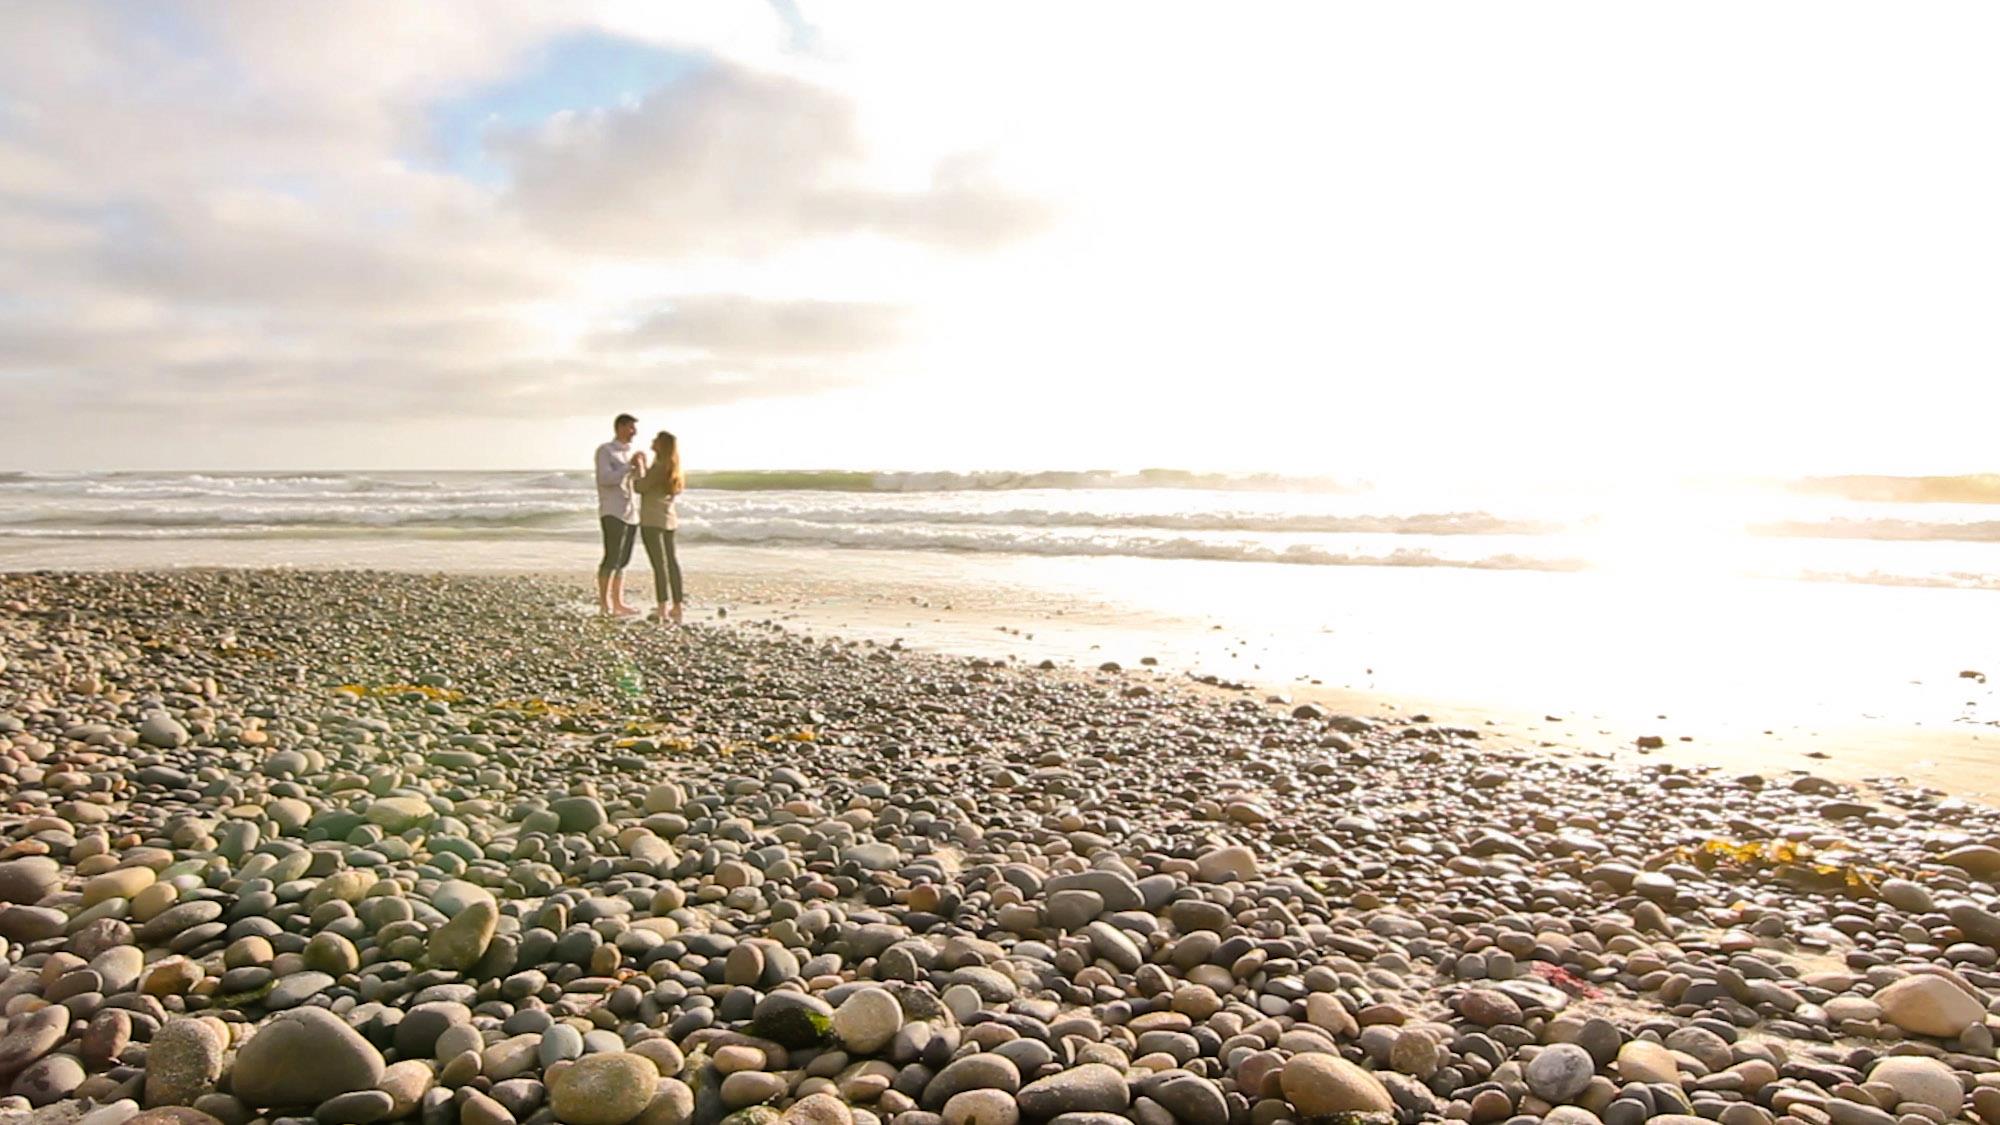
x=1579 y=239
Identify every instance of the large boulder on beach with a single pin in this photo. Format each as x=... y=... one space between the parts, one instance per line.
x=301 y=1058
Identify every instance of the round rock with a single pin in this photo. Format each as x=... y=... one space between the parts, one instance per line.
x=304 y=1057
x=606 y=1089
x=1090 y=1088
x=1319 y=1085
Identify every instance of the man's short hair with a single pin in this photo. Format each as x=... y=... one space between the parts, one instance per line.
x=624 y=420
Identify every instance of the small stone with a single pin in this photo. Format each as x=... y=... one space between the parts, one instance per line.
x=49 y=1080
x=818 y=1109
x=111 y=1113
x=358 y=1107
x=606 y=1089
x=1225 y=864
x=1489 y=1008
x=109 y=1033
x=454 y=895
x=303 y=1057
x=183 y=1062
x=1560 y=1072
x=672 y=1104
x=1905 y=895
x=331 y=954
x=559 y=1043
x=1320 y=1085
x=28 y=880
x=981 y=1107
x=750 y=1087
x=397 y=815
x=31 y=1036
x=461 y=942
x=1090 y=1088
x=867 y=1020
x=475 y=1108
x=417 y=1034
x=984 y=1070
x=1191 y=1099
x=1929 y=1005
x=1923 y=1081
x=578 y=814
x=1642 y=1060
x=163 y=730
x=296 y=989
x=406 y=1083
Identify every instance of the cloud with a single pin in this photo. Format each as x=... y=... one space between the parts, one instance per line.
x=740 y=162
x=214 y=216
x=299 y=370
x=733 y=326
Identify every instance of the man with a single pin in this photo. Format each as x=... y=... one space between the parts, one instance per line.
x=617 y=514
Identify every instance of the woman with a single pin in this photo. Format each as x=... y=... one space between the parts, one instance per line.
x=657 y=487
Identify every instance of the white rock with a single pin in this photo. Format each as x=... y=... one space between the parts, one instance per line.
x=867 y=1020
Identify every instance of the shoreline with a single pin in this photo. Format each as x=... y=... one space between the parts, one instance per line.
x=1950 y=755
x=1945 y=736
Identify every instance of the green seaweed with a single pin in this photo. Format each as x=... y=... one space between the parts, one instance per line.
x=793 y=1028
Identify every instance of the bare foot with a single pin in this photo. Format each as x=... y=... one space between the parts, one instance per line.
x=625 y=610
x=677 y=613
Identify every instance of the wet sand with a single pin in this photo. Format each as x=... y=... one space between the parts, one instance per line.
x=1941 y=741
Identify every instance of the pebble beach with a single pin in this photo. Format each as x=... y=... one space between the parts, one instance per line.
x=355 y=847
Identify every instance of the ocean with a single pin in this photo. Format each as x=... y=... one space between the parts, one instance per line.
x=1942 y=532
x=1741 y=613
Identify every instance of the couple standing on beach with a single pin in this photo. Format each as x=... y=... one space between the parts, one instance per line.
x=635 y=499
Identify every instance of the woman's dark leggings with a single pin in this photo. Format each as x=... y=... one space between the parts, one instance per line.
x=617 y=544
x=666 y=568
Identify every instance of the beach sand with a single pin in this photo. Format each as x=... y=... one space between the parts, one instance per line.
x=1938 y=741
x=1768 y=678
x=482 y=856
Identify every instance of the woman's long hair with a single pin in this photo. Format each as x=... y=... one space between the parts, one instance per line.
x=668 y=464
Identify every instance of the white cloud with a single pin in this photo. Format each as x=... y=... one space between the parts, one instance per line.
x=1323 y=235
x=732 y=161
x=732 y=325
